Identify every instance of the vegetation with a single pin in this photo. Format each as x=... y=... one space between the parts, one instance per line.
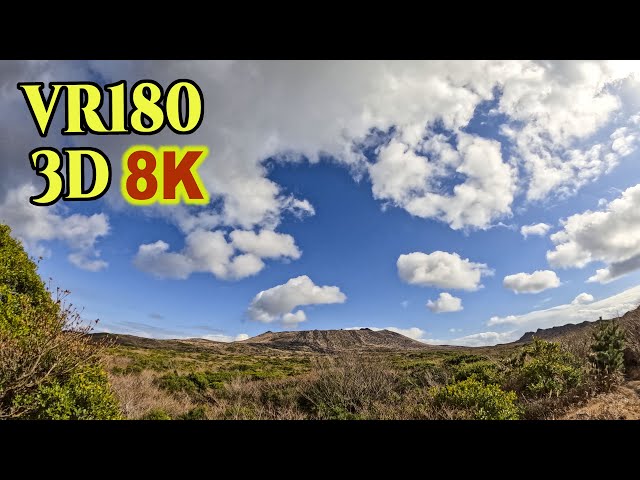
x=607 y=350
x=474 y=399
x=539 y=380
x=544 y=369
x=48 y=368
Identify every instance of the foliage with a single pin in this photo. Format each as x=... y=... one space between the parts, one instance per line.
x=197 y=413
x=84 y=396
x=544 y=369
x=348 y=387
x=156 y=414
x=474 y=399
x=484 y=371
x=48 y=367
x=607 y=349
x=18 y=273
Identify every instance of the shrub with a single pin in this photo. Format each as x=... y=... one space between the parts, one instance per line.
x=156 y=414
x=18 y=273
x=607 y=349
x=84 y=396
x=544 y=369
x=483 y=371
x=474 y=399
x=461 y=358
x=197 y=413
x=48 y=367
x=347 y=387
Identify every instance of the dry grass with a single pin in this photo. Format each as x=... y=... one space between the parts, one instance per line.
x=138 y=395
x=621 y=403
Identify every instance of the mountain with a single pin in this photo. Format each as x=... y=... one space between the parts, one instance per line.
x=336 y=340
x=324 y=341
x=630 y=320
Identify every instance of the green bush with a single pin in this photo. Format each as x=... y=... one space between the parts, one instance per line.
x=544 y=369
x=461 y=358
x=48 y=367
x=607 y=349
x=85 y=395
x=484 y=371
x=156 y=414
x=474 y=399
x=18 y=273
x=195 y=382
x=197 y=413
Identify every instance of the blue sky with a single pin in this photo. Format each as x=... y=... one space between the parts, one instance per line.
x=295 y=153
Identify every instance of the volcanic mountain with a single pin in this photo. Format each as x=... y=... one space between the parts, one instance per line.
x=336 y=340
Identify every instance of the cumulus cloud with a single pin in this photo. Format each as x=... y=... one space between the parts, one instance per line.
x=445 y=303
x=582 y=299
x=35 y=225
x=265 y=244
x=207 y=251
x=535 y=282
x=539 y=229
x=573 y=312
x=610 y=235
x=293 y=319
x=577 y=99
x=442 y=270
x=565 y=124
x=411 y=180
x=277 y=303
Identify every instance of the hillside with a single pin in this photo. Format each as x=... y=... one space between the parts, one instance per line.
x=320 y=341
x=630 y=320
x=336 y=340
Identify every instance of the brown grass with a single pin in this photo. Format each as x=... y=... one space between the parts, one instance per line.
x=138 y=396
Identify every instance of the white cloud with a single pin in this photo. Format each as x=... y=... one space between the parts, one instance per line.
x=582 y=299
x=441 y=269
x=573 y=312
x=484 y=339
x=539 y=229
x=277 y=303
x=293 y=319
x=404 y=303
x=34 y=225
x=455 y=330
x=445 y=303
x=535 y=282
x=240 y=337
x=210 y=252
x=295 y=109
x=485 y=195
x=611 y=235
x=557 y=116
x=265 y=244
x=562 y=105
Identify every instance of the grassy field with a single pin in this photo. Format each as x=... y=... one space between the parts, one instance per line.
x=205 y=380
